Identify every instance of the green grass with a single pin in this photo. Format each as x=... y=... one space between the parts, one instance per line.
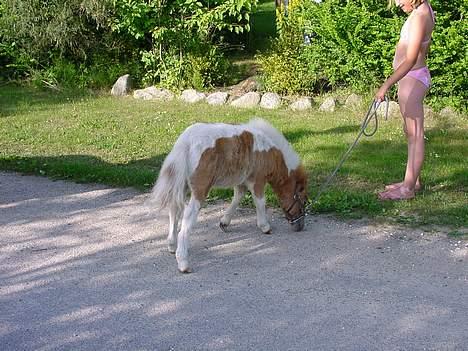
x=123 y=142
x=263 y=26
x=257 y=40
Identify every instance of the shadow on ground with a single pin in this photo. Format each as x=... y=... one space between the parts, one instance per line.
x=86 y=267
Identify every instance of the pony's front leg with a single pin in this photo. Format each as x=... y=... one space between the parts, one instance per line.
x=174 y=216
x=260 y=205
x=188 y=221
x=239 y=192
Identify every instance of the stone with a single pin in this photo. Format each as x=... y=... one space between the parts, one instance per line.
x=353 y=101
x=192 y=96
x=301 y=104
x=246 y=86
x=122 y=86
x=328 y=105
x=447 y=111
x=428 y=112
x=247 y=100
x=270 y=101
x=142 y=94
x=217 y=98
x=393 y=109
x=153 y=93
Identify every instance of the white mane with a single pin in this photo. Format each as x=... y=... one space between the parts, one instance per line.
x=290 y=156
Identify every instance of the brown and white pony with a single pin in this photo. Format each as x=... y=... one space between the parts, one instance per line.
x=245 y=157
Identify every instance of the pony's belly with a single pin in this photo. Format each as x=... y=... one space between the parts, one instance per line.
x=230 y=181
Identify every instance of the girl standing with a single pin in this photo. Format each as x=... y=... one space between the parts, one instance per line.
x=414 y=80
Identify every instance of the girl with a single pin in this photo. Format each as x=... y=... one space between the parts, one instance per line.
x=413 y=77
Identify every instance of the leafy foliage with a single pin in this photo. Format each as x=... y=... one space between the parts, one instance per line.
x=57 y=44
x=351 y=43
x=176 y=36
x=175 y=42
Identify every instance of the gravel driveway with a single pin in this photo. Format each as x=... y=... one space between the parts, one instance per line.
x=85 y=267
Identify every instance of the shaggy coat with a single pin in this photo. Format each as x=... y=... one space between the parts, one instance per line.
x=245 y=157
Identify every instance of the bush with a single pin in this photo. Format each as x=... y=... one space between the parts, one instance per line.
x=62 y=44
x=351 y=44
x=178 y=39
x=86 y=42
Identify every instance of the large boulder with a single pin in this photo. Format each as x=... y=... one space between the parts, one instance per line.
x=328 y=105
x=122 y=86
x=448 y=112
x=192 y=96
x=393 y=109
x=246 y=86
x=153 y=93
x=270 y=101
x=301 y=104
x=217 y=98
x=247 y=100
x=353 y=101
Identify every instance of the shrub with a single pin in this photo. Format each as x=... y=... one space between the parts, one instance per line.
x=351 y=44
x=61 y=44
x=178 y=38
x=176 y=43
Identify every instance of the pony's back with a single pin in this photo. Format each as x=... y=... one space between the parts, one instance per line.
x=171 y=186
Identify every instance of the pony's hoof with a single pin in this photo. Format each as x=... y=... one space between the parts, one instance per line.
x=266 y=229
x=184 y=267
x=172 y=248
x=223 y=226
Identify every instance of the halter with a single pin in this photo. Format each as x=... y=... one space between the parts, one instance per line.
x=302 y=214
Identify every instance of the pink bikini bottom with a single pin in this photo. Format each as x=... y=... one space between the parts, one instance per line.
x=422 y=74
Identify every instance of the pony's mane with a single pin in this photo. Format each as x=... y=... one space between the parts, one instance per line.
x=291 y=158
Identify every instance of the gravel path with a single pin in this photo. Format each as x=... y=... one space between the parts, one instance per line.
x=85 y=267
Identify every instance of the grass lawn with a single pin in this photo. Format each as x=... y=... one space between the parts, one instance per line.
x=263 y=24
x=123 y=141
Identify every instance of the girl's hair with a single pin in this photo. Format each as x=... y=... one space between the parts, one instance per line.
x=413 y=2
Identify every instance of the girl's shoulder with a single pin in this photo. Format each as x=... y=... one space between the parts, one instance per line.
x=424 y=12
x=422 y=18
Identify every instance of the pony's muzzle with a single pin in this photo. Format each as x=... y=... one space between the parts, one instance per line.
x=298 y=224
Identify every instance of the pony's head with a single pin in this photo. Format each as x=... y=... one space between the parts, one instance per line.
x=292 y=193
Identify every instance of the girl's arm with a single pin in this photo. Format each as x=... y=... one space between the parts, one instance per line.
x=412 y=53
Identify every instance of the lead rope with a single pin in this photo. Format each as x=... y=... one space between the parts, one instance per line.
x=371 y=113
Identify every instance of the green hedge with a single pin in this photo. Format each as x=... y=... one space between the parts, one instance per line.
x=174 y=43
x=352 y=45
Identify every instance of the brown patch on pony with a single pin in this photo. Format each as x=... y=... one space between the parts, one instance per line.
x=269 y=168
x=225 y=164
x=232 y=161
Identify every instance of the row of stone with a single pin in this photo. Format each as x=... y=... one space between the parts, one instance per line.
x=247 y=100
x=241 y=96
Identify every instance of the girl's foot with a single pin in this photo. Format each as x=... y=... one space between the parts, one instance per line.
x=400 y=193
x=393 y=186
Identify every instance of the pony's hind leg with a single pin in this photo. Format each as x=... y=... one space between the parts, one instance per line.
x=174 y=216
x=239 y=192
x=188 y=221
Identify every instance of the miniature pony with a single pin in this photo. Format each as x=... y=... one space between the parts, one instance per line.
x=245 y=157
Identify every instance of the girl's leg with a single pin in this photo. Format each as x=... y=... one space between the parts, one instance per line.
x=415 y=136
x=411 y=94
x=409 y=162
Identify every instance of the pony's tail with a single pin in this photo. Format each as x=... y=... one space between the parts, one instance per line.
x=171 y=186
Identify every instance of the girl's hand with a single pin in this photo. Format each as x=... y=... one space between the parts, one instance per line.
x=380 y=95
